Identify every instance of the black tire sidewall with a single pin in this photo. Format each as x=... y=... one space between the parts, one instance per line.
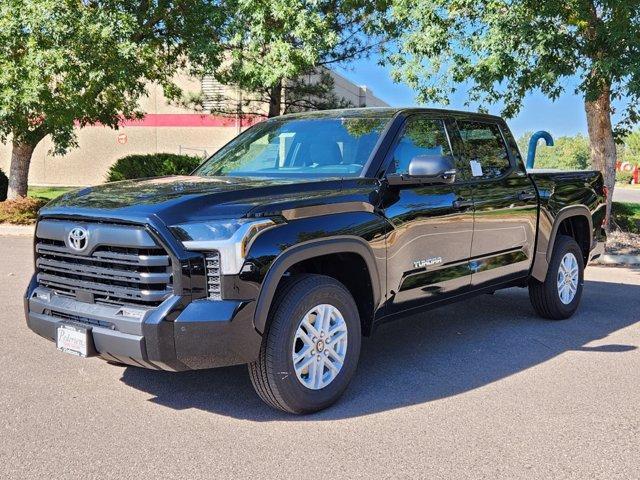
x=282 y=376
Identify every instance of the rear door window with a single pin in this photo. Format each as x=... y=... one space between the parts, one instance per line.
x=486 y=151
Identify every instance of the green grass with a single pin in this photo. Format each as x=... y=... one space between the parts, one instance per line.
x=48 y=192
x=627 y=216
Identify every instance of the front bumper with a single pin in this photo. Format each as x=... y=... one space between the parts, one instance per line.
x=174 y=336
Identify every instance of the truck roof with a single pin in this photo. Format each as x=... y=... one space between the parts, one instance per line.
x=384 y=112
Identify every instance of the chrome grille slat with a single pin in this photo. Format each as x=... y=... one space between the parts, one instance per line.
x=125 y=259
x=105 y=273
x=123 y=265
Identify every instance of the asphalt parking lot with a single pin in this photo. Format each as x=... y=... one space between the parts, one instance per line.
x=481 y=389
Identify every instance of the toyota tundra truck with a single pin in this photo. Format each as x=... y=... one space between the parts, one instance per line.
x=302 y=235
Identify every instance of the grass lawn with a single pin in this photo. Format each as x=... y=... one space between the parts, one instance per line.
x=48 y=192
x=627 y=216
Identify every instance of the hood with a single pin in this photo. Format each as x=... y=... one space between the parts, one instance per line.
x=185 y=198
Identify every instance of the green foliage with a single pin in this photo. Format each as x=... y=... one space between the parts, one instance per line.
x=152 y=165
x=624 y=177
x=4 y=186
x=568 y=153
x=270 y=45
x=503 y=49
x=627 y=216
x=23 y=211
x=88 y=62
x=631 y=144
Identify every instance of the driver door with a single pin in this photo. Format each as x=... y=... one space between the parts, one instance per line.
x=429 y=248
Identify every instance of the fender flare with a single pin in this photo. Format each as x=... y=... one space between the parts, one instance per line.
x=545 y=248
x=305 y=251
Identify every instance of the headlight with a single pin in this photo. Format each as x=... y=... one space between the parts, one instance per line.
x=232 y=238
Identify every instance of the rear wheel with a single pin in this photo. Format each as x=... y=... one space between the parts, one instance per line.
x=310 y=351
x=558 y=297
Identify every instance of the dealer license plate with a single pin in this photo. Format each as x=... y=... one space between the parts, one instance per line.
x=73 y=340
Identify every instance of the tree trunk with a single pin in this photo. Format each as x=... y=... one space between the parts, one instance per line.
x=275 y=100
x=19 y=172
x=602 y=143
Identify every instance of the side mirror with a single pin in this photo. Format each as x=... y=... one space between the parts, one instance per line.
x=426 y=169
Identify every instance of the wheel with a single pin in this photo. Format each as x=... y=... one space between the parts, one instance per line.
x=558 y=297
x=310 y=351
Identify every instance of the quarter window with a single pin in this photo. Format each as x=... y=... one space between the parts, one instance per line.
x=487 y=152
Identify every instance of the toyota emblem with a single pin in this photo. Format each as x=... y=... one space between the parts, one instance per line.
x=78 y=238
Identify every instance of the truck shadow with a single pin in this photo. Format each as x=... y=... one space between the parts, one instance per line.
x=426 y=357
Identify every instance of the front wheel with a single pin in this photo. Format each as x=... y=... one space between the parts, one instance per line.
x=310 y=351
x=558 y=297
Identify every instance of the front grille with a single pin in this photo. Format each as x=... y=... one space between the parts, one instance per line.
x=111 y=274
x=79 y=319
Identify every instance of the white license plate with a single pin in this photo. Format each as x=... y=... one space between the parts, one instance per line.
x=73 y=340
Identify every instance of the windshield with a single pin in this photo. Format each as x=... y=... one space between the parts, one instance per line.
x=294 y=147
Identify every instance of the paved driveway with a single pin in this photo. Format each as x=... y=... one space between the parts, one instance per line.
x=629 y=195
x=481 y=389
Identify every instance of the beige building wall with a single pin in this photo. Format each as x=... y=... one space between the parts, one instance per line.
x=166 y=128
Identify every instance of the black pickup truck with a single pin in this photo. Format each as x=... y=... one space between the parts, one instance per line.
x=300 y=236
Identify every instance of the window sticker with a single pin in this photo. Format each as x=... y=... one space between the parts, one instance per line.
x=476 y=168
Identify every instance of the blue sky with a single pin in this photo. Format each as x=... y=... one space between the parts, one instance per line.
x=563 y=117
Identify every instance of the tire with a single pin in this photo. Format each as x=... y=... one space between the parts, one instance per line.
x=274 y=376
x=546 y=296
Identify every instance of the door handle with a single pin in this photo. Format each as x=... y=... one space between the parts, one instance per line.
x=526 y=196
x=462 y=204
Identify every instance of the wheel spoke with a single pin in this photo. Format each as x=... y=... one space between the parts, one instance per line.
x=306 y=339
x=333 y=367
x=332 y=353
x=301 y=366
x=310 y=328
x=340 y=327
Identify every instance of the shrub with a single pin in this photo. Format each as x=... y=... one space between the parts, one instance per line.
x=4 y=186
x=153 y=165
x=624 y=177
x=23 y=211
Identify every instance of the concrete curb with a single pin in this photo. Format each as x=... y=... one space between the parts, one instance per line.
x=7 y=230
x=618 y=260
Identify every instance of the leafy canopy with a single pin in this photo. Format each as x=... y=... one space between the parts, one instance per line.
x=268 y=41
x=502 y=49
x=70 y=61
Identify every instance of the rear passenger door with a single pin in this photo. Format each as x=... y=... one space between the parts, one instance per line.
x=505 y=204
x=428 y=249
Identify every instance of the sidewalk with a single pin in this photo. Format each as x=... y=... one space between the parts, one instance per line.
x=7 y=230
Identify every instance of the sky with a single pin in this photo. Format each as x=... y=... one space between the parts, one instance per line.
x=565 y=116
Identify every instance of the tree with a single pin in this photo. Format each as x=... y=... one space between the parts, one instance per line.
x=568 y=153
x=271 y=45
x=503 y=49
x=68 y=63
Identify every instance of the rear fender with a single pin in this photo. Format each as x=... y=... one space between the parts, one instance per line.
x=548 y=232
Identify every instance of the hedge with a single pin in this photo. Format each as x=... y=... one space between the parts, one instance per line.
x=152 y=165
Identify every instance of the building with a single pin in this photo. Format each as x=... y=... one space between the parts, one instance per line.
x=165 y=128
